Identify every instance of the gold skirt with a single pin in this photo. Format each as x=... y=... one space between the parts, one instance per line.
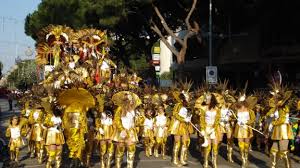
x=160 y=132
x=242 y=132
x=36 y=133
x=15 y=143
x=108 y=133
x=54 y=138
x=131 y=136
x=147 y=133
x=282 y=132
x=180 y=128
x=161 y=140
x=225 y=128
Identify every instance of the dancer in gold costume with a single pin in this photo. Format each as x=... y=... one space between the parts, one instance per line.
x=13 y=132
x=36 y=119
x=125 y=134
x=210 y=115
x=54 y=139
x=77 y=101
x=280 y=128
x=181 y=128
x=243 y=132
x=161 y=124
x=147 y=131
x=105 y=128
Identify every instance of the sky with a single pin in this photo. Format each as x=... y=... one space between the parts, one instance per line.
x=13 y=41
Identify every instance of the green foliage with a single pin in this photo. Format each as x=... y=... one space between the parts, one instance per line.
x=24 y=76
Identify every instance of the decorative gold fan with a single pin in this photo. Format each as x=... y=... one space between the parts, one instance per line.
x=80 y=95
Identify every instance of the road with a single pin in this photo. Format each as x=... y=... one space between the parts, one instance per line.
x=257 y=159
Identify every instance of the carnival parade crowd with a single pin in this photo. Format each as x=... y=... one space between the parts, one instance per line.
x=83 y=105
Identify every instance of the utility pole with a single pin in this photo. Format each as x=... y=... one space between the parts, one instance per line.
x=210 y=34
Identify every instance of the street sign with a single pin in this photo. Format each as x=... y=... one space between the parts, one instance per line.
x=156 y=50
x=211 y=74
x=155 y=62
x=156 y=57
x=157 y=68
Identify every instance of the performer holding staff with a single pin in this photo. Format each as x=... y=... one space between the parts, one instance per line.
x=280 y=128
x=210 y=127
x=243 y=131
x=181 y=128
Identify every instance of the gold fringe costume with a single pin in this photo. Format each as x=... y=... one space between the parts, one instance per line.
x=281 y=130
x=148 y=135
x=105 y=128
x=125 y=132
x=210 y=128
x=226 y=127
x=161 y=124
x=77 y=102
x=242 y=131
x=15 y=141
x=245 y=120
x=180 y=125
x=53 y=136
x=36 y=119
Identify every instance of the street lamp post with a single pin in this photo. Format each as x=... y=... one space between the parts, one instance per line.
x=210 y=34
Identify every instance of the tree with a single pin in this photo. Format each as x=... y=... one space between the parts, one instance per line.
x=191 y=30
x=24 y=76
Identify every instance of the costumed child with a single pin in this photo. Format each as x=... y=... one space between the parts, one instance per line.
x=148 y=131
x=161 y=123
x=105 y=128
x=13 y=132
x=54 y=138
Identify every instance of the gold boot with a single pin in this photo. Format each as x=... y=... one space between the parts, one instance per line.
x=163 y=151
x=103 y=149
x=110 y=152
x=12 y=155
x=175 y=153
x=273 y=156
x=183 y=154
x=246 y=153
x=229 y=151
x=206 y=155
x=40 y=152
x=58 y=158
x=130 y=155
x=156 y=150
x=242 y=149
x=119 y=156
x=285 y=157
x=51 y=156
x=187 y=145
x=150 y=149
x=17 y=152
x=215 y=155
